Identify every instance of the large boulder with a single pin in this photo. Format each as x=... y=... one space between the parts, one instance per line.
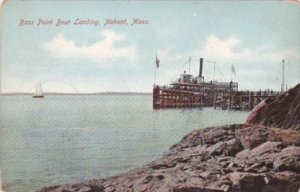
x=251 y=137
x=282 y=111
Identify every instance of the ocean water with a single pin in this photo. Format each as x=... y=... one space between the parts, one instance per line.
x=66 y=139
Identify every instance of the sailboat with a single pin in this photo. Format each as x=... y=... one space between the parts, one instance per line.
x=38 y=92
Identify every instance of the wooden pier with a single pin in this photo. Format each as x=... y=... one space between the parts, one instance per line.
x=196 y=96
x=241 y=100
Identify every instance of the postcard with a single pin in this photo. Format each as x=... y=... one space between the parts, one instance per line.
x=149 y=95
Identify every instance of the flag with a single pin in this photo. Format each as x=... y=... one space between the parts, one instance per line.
x=157 y=62
x=233 y=69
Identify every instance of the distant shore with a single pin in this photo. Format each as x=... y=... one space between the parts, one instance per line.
x=75 y=94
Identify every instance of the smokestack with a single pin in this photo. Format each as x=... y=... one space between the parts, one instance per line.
x=200 y=67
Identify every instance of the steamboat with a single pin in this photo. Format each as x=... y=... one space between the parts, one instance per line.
x=193 y=91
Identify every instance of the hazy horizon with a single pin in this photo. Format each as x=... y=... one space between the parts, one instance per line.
x=70 y=93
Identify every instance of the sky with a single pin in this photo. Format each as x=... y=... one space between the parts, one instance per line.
x=252 y=36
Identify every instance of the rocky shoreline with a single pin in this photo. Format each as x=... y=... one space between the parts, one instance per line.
x=262 y=155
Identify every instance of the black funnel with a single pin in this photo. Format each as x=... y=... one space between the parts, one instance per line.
x=201 y=67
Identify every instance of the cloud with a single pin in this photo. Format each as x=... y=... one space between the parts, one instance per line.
x=256 y=67
x=295 y=2
x=233 y=50
x=99 y=52
x=225 y=49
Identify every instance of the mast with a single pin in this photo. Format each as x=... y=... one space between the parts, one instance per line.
x=282 y=84
x=41 y=91
x=214 y=71
x=190 y=58
x=156 y=66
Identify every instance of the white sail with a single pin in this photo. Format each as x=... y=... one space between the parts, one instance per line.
x=38 y=91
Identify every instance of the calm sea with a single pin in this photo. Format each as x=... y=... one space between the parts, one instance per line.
x=65 y=139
